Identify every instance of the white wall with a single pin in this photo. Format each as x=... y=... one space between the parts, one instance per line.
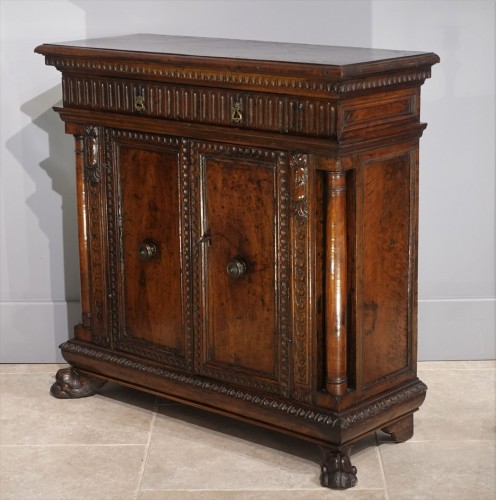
x=39 y=266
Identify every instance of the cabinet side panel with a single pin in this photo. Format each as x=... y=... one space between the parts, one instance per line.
x=387 y=247
x=150 y=215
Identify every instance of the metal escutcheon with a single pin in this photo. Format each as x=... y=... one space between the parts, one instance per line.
x=147 y=250
x=236 y=268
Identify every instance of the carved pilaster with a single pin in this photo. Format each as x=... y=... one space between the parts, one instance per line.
x=82 y=214
x=300 y=238
x=95 y=235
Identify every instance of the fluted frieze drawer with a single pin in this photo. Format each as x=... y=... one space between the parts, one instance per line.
x=251 y=110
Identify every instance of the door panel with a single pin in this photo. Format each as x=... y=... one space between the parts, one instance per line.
x=243 y=215
x=153 y=298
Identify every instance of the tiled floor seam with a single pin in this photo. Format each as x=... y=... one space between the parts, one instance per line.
x=147 y=449
x=381 y=467
x=70 y=445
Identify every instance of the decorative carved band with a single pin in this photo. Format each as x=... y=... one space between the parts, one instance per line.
x=321 y=418
x=330 y=419
x=354 y=418
x=161 y=71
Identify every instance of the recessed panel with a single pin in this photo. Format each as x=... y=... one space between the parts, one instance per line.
x=150 y=214
x=240 y=216
x=386 y=256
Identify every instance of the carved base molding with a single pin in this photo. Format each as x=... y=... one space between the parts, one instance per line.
x=290 y=408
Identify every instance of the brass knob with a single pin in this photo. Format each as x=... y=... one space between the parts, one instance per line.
x=236 y=114
x=139 y=103
x=147 y=250
x=236 y=268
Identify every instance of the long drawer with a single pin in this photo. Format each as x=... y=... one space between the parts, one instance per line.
x=251 y=110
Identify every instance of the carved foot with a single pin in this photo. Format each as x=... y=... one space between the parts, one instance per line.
x=336 y=471
x=69 y=384
x=402 y=430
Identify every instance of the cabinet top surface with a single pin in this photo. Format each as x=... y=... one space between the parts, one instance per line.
x=332 y=61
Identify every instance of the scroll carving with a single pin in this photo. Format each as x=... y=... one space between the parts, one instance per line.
x=70 y=384
x=91 y=163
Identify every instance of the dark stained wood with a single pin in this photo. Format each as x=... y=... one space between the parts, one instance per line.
x=402 y=430
x=311 y=59
x=336 y=470
x=148 y=181
x=239 y=215
x=70 y=384
x=247 y=219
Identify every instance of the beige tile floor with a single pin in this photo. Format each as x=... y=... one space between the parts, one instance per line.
x=123 y=444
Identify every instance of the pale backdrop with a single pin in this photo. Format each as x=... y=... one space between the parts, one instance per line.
x=39 y=263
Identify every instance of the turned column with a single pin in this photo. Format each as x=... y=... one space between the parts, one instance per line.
x=335 y=284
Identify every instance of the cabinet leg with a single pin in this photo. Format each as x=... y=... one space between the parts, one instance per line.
x=402 y=430
x=70 y=384
x=336 y=470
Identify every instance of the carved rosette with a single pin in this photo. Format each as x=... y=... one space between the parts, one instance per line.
x=300 y=229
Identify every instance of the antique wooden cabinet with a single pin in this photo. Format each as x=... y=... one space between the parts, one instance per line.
x=248 y=230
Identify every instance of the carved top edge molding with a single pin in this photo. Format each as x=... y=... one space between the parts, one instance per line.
x=266 y=82
x=269 y=402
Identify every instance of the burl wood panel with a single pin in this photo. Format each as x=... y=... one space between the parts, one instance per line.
x=148 y=180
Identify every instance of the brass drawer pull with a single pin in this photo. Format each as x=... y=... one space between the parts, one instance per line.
x=236 y=268
x=236 y=114
x=139 y=103
x=147 y=250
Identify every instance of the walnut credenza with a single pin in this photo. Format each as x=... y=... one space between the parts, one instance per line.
x=248 y=230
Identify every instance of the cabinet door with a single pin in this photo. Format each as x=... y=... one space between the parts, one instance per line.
x=149 y=253
x=241 y=231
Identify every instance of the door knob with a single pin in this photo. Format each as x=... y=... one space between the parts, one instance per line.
x=236 y=267
x=147 y=250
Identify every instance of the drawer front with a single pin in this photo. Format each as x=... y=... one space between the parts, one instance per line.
x=250 y=110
